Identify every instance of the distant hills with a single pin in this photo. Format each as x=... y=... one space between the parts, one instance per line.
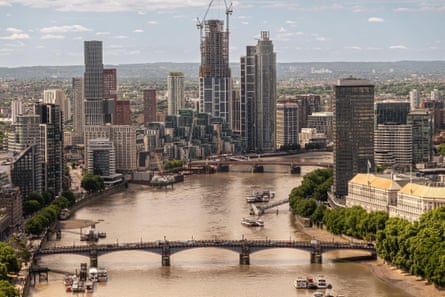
x=323 y=71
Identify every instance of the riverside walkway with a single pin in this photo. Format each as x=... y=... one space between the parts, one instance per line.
x=243 y=247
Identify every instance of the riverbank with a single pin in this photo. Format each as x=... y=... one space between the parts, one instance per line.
x=412 y=285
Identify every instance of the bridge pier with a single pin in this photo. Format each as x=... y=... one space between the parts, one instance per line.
x=316 y=257
x=244 y=259
x=244 y=256
x=93 y=258
x=165 y=258
x=258 y=168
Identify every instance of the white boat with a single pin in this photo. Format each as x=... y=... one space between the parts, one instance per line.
x=301 y=283
x=64 y=214
x=252 y=223
x=264 y=196
x=102 y=275
x=305 y=283
x=318 y=294
x=93 y=274
x=321 y=283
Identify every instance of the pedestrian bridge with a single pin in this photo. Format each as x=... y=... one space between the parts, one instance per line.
x=243 y=247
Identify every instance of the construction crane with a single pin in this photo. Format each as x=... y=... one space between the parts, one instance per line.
x=200 y=22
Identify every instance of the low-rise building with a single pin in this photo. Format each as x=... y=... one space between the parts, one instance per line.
x=371 y=192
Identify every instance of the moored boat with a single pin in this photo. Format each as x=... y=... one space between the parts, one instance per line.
x=102 y=275
x=252 y=223
x=305 y=283
x=64 y=214
x=321 y=283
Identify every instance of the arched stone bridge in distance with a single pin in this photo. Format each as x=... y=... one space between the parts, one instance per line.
x=243 y=247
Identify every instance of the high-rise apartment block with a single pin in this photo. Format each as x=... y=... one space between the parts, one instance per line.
x=353 y=107
x=175 y=90
x=58 y=97
x=287 y=124
x=414 y=99
x=421 y=122
x=149 y=106
x=51 y=146
x=214 y=72
x=258 y=96
x=78 y=110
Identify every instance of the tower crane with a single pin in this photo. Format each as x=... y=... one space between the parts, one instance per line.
x=200 y=22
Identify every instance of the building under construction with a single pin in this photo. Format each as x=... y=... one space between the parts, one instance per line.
x=215 y=82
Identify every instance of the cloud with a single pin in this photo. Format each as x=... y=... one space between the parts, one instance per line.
x=64 y=29
x=357 y=48
x=138 y=6
x=375 y=20
x=102 y=33
x=245 y=23
x=399 y=46
x=290 y=22
x=5 y=3
x=53 y=36
x=120 y=37
x=13 y=30
x=152 y=22
x=15 y=36
x=282 y=30
x=138 y=31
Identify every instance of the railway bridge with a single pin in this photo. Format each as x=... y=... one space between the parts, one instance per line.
x=243 y=247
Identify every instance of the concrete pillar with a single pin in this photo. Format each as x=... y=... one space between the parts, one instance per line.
x=316 y=257
x=244 y=259
x=165 y=260
x=93 y=258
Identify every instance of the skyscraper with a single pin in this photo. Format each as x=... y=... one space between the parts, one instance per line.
x=175 y=89
x=214 y=72
x=149 y=106
x=78 y=110
x=265 y=101
x=421 y=122
x=247 y=100
x=58 y=97
x=51 y=146
x=93 y=83
x=110 y=95
x=287 y=124
x=258 y=96
x=353 y=125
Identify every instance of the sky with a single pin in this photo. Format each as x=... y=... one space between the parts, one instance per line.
x=51 y=32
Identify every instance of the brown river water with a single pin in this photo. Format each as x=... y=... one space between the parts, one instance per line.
x=203 y=207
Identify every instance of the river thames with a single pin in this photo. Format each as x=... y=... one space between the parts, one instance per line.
x=203 y=207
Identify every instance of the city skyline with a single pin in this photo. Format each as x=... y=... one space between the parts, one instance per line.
x=41 y=32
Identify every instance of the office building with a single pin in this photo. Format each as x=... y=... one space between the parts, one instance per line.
x=175 y=90
x=391 y=112
x=393 y=145
x=25 y=133
x=101 y=157
x=215 y=80
x=353 y=124
x=287 y=124
x=149 y=106
x=110 y=95
x=94 y=83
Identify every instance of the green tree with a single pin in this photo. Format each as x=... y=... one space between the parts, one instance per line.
x=31 y=206
x=8 y=257
x=441 y=149
x=7 y=289
x=92 y=183
x=70 y=197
